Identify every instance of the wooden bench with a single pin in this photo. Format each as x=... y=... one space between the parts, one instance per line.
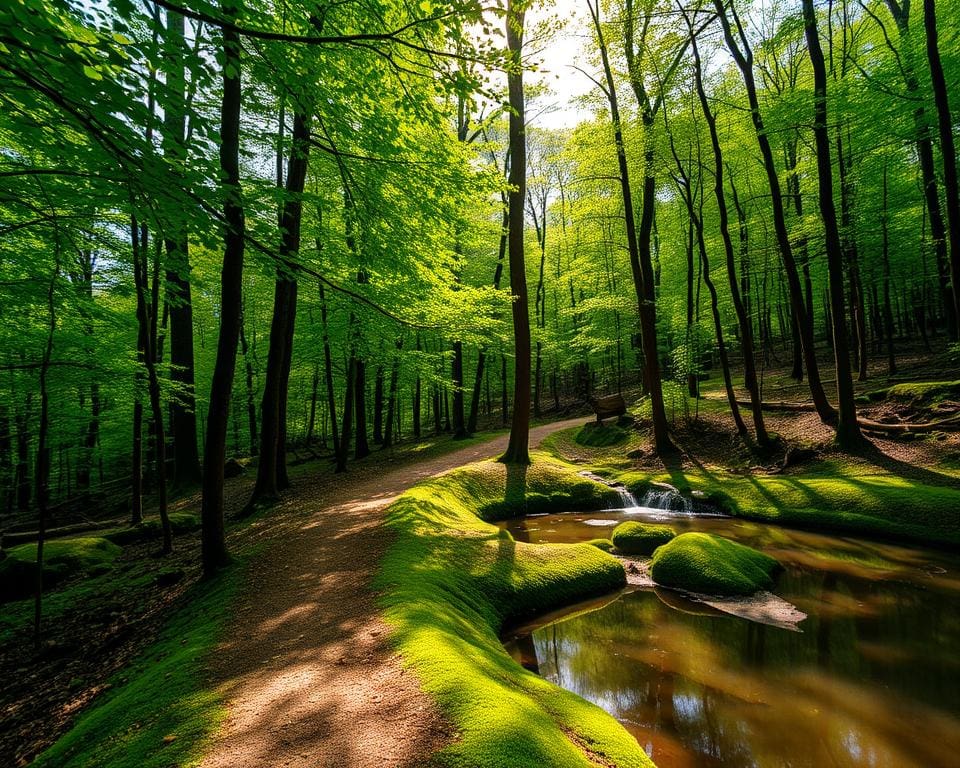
x=606 y=407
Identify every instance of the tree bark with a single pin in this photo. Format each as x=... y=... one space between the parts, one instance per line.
x=273 y=403
x=517 y=448
x=213 y=541
x=848 y=431
x=947 y=150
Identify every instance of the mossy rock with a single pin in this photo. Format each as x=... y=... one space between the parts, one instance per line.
x=635 y=538
x=62 y=558
x=604 y=544
x=601 y=435
x=712 y=565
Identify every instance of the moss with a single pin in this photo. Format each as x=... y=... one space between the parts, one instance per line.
x=604 y=544
x=636 y=538
x=148 y=530
x=161 y=695
x=712 y=565
x=450 y=582
x=62 y=558
x=924 y=391
x=601 y=436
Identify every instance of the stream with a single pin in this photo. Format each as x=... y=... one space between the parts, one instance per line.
x=871 y=679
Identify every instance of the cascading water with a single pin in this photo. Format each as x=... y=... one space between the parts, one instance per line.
x=660 y=501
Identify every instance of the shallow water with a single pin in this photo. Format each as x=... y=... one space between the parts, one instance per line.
x=872 y=679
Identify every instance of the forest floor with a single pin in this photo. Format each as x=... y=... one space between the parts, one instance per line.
x=305 y=667
x=308 y=674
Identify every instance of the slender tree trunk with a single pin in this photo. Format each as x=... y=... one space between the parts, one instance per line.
x=213 y=540
x=270 y=480
x=42 y=472
x=517 y=449
x=885 y=253
x=251 y=399
x=153 y=380
x=743 y=318
x=417 y=394
x=945 y=124
x=183 y=420
x=456 y=370
x=638 y=245
x=361 y=447
x=744 y=60
x=328 y=375
x=392 y=397
x=848 y=430
x=347 y=426
x=378 y=406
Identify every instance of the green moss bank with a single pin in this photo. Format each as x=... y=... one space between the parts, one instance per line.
x=450 y=581
x=712 y=565
x=62 y=558
x=635 y=538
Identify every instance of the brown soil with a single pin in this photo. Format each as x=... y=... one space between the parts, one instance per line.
x=309 y=676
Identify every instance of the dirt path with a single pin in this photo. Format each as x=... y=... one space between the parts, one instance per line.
x=308 y=675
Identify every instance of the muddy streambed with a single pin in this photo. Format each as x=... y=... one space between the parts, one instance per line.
x=871 y=680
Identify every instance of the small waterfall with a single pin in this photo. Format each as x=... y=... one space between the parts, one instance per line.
x=666 y=497
x=660 y=501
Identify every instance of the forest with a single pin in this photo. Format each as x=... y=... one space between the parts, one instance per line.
x=566 y=383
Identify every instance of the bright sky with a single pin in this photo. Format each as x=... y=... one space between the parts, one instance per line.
x=558 y=57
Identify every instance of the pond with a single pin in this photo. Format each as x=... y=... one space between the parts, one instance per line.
x=872 y=679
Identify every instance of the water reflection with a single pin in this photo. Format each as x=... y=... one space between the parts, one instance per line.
x=872 y=681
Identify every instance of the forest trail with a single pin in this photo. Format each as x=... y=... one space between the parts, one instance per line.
x=306 y=670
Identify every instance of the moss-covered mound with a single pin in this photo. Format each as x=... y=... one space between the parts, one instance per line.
x=605 y=544
x=601 y=435
x=636 y=538
x=62 y=558
x=148 y=530
x=712 y=565
x=450 y=582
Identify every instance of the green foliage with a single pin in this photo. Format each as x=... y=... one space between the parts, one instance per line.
x=636 y=538
x=159 y=712
x=62 y=558
x=712 y=565
x=450 y=582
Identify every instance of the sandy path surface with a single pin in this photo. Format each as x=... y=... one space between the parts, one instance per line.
x=306 y=670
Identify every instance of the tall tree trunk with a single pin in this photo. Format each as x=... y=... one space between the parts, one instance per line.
x=347 y=426
x=361 y=448
x=273 y=402
x=885 y=253
x=417 y=394
x=392 y=397
x=213 y=541
x=945 y=125
x=183 y=420
x=744 y=60
x=248 y=378
x=153 y=379
x=42 y=472
x=517 y=448
x=638 y=246
x=848 y=430
x=378 y=406
x=743 y=318
x=456 y=373
x=328 y=375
